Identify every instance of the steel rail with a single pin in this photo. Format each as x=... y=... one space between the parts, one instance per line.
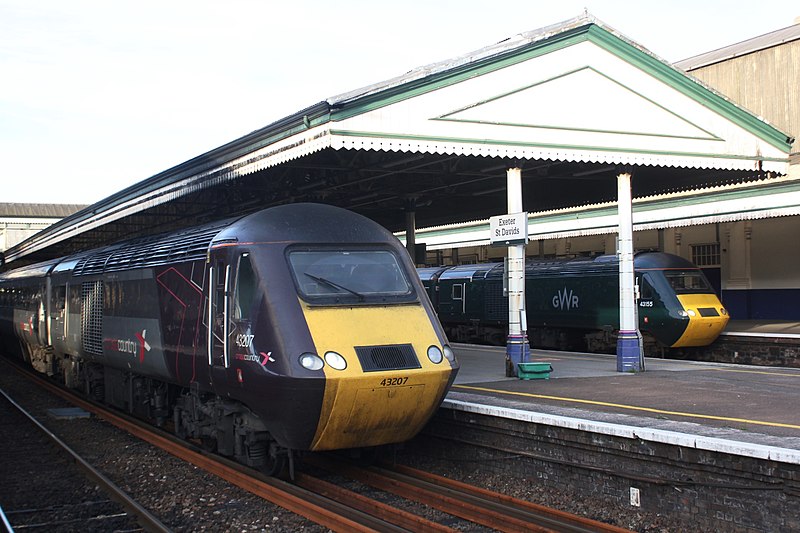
x=317 y=508
x=376 y=508
x=504 y=499
x=497 y=511
x=147 y=520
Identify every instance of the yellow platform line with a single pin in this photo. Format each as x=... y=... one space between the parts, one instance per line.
x=629 y=407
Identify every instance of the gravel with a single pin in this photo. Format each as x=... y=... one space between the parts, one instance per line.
x=182 y=496
x=185 y=498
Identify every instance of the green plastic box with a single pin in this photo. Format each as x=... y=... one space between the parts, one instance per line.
x=534 y=370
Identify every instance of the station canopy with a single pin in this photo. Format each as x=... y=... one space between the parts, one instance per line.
x=571 y=105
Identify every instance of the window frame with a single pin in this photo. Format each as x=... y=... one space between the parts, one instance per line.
x=345 y=298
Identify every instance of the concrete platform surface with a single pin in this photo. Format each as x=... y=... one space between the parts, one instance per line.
x=735 y=403
x=763 y=328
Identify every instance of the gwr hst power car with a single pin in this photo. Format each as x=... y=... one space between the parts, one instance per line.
x=574 y=304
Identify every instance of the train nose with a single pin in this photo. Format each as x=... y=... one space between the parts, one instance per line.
x=378 y=409
x=393 y=380
x=707 y=318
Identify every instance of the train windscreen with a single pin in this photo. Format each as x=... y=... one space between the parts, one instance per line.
x=688 y=281
x=350 y=276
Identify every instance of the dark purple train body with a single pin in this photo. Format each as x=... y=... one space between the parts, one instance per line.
x=300 y=327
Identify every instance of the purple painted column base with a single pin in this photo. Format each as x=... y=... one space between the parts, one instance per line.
x=629 y=351
x=517 y=351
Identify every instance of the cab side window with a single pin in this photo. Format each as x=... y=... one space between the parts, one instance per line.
x=246 y=285
x=646 y=289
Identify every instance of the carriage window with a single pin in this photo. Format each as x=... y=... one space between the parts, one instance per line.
x=245 y=289
x=350 y=276
x=687 y=281
x=458 y=291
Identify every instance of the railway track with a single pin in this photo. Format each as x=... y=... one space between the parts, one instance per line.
x=340 y=509
x=493 y=510
x=329 y=514
x=78 y=498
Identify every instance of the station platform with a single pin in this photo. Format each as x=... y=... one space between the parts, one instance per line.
x=775 y=329
x=738 y=409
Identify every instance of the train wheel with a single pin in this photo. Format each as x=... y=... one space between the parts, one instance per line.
x=209 y=444
x=276 y=462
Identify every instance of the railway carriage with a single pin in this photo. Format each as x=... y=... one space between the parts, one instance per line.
x=574 y=304
x=300 y=327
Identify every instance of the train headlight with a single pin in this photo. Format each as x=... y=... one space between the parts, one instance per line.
x=449 y=354
x=435 y=355
x=335 y=360
x=311 y=361
x=690 y=312
x=723 y=311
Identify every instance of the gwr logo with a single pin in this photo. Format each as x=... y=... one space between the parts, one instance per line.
x=565 y=300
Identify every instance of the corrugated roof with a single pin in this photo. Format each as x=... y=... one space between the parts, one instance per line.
x=762 y=42
x=38 y=210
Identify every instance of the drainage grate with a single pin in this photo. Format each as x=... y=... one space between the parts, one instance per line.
x=392 y=357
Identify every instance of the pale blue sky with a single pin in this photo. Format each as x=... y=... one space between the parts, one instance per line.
x=97 y=95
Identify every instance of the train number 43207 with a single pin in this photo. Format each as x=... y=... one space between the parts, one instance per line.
x=391 y=382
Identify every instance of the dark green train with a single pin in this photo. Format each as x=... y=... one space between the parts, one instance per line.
x=574 y=304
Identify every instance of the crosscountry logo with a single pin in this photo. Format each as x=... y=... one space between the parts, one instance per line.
x=142 y=344
x=137 y=347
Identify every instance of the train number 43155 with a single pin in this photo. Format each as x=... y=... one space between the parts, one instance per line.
x=391 y=382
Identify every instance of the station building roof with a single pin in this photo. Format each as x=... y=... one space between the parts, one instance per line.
x=570 y=104
x=749 y=46
x=27 y=210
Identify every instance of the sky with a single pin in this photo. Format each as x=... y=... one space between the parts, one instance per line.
x=97 y=95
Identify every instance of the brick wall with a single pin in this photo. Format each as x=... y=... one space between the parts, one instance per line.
x=746 y=351
x=702 y=490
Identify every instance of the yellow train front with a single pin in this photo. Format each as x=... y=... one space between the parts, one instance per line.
x=677 y=304
x=333 y=342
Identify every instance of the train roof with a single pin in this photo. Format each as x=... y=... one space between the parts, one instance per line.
x=306 y=222
x=186 y=245
x=661 y=260
x=580 y=265
x=481 y=270
x=302 y=222
x=428 y=273
x=37 y=270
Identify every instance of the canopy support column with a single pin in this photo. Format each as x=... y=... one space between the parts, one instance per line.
x=411 y=229
x=630 y=357
x=517 y=347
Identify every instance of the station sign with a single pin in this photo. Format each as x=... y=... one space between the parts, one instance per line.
x=508 y=230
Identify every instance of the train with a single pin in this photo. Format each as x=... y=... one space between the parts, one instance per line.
x=573 y=304
x=301 y=327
